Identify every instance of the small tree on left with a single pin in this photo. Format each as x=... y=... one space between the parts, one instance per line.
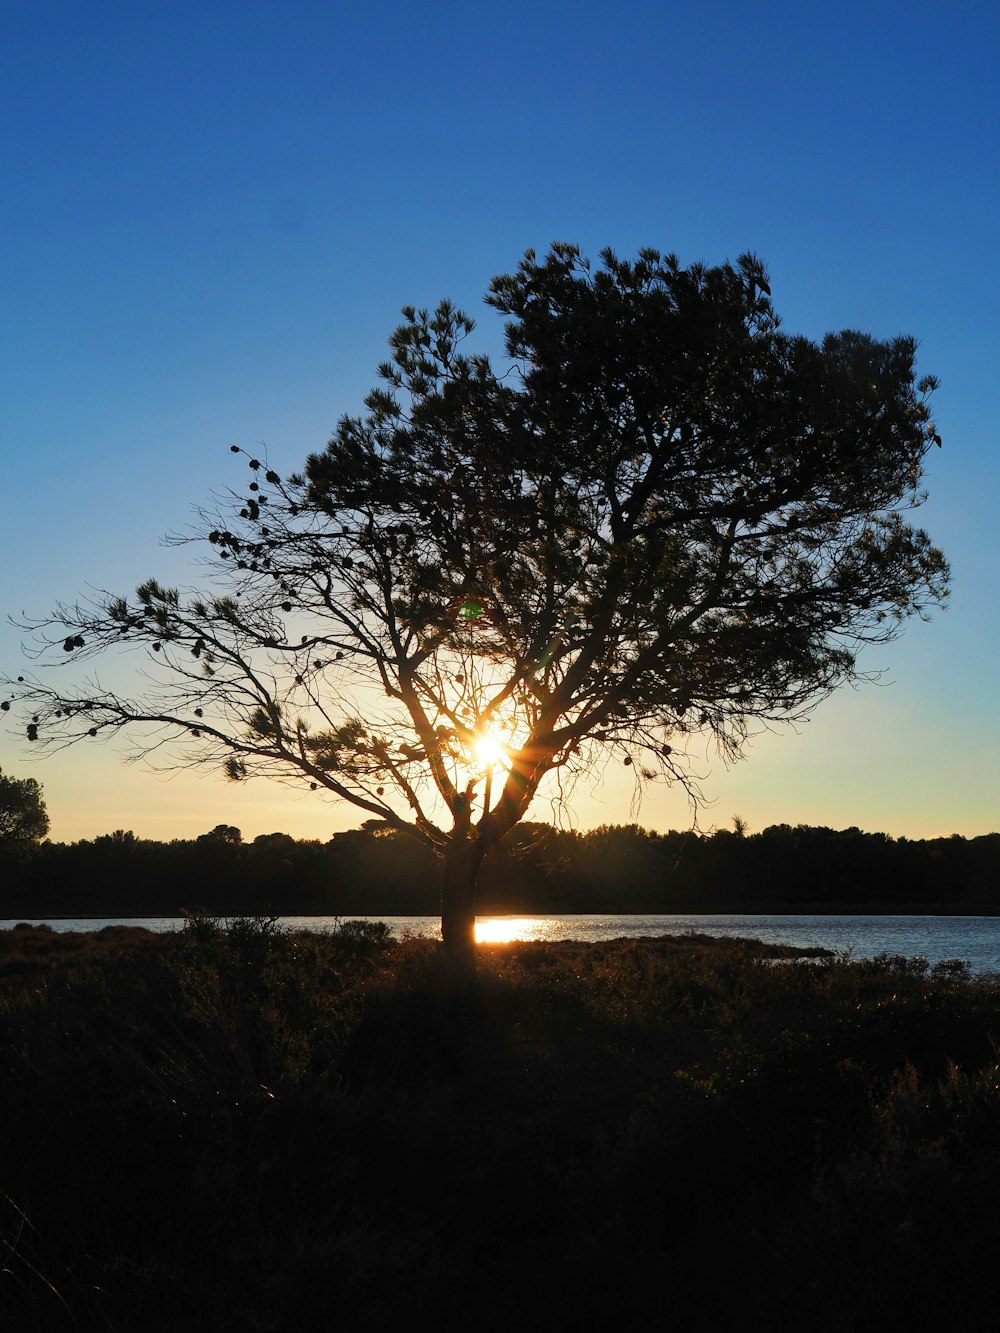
x=23 y=817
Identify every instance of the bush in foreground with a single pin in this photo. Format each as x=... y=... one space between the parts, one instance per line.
x=238 y=1127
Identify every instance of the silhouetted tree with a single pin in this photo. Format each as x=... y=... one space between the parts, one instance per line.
x=665 y=516
x=226 y=833
x=23 y=817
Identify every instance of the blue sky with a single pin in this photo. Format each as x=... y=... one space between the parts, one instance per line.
x=212 y=213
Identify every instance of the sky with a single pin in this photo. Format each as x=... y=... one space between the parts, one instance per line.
x=212 y=214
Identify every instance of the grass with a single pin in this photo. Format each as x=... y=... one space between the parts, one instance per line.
x=241 y=1128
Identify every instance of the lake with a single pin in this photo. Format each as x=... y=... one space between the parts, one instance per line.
x=973 y=938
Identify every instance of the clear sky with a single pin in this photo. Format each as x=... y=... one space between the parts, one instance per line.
x=212 y=213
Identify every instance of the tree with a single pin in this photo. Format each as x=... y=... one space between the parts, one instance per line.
x=222 y=833
x=23 y=817
x=666 y=516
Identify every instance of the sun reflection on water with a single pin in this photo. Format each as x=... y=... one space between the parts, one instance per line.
x=505 y=929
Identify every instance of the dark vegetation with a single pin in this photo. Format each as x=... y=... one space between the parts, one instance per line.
x=237 y=1128
x=23 y=817
x=537 y=868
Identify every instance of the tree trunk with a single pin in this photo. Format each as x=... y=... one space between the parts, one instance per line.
x=458 y=894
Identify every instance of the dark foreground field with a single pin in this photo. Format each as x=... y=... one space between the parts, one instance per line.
x=237 y=1129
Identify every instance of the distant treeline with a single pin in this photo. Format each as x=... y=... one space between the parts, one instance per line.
x=540 y=869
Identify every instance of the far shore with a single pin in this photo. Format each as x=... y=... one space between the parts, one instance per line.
x=943 y=909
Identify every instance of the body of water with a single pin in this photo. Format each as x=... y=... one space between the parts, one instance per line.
x=976 y=939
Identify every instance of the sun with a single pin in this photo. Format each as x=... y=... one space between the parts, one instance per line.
x=489 y=750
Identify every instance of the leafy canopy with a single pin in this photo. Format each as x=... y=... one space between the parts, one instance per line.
x=664 y=516
x=23 y=817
